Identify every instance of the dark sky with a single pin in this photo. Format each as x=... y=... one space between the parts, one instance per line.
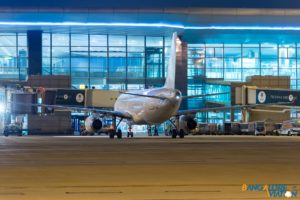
x=151 y=3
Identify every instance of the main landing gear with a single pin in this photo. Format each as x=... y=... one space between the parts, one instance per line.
x=150 y=131
x=116 y=132
x=175 y=132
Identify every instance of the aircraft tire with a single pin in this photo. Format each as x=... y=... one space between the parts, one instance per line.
x=181 y=133
x=174 y=133
x=111 y=135
x=119 y=134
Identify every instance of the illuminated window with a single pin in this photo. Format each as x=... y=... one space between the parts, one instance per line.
x=106 y=61
x=13 y=56
x=235 y=62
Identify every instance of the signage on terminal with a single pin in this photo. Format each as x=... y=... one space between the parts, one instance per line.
x=70 y=97
x=278 y=96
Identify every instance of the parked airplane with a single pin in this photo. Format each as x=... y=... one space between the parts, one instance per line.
x=144 y=107
x=148 y=106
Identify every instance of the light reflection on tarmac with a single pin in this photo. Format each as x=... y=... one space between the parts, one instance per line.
x=157 y=168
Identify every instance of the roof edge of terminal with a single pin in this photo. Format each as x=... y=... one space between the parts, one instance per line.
x=187 y=11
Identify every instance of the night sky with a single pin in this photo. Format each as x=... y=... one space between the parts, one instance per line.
x=151 y=3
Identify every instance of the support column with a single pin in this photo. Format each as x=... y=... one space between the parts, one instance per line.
x=34 y=40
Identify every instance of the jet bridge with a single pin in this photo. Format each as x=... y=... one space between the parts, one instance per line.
x=263 y=96
x=87 y=98
x=272 y=104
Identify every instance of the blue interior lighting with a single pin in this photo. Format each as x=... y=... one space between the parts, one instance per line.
x=91 y=24
x=271 y=28
x=166 y=25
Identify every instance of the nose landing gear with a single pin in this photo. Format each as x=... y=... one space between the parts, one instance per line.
x=130 y=133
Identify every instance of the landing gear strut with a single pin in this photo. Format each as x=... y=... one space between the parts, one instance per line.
x=116 y=132
x=181 y=133
x=175 y=131
x=119 y=134
x=111 y=134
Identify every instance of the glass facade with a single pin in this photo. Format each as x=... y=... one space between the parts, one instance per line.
x=207 y=61
x=13 y=56
x=116 y=62
x=234 y=62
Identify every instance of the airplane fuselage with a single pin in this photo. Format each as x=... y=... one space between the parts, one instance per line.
x=149 y=110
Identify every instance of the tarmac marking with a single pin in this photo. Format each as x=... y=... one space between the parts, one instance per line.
x=207 y=198
x=104 y=192
x=191 y=191
x=12 y=193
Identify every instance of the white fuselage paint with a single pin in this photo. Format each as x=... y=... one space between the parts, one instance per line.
x=148 y=110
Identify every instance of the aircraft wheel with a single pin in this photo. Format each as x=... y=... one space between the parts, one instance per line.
x=82 y=133
x=111 y=135
x=181 y=133
x=174 y=133
x=119 y=134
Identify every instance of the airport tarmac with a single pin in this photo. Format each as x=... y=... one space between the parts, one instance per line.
x=160 y=168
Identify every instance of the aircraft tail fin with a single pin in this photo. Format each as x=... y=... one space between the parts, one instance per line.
x=170 y=79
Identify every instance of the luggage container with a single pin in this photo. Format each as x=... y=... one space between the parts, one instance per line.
x=235 y=128
x=212 y=128
x=247 y=128
x=203 y=128
x=22 y=103
x=260 y=128
x=227 y=128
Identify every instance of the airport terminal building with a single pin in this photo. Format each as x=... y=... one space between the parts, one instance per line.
x=121 y=45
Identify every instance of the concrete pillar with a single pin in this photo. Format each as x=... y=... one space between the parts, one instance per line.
x=34 y=40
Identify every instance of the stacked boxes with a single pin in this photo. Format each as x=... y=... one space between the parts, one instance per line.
x=49 y=81
x=58 y=123
x=101 y=98
x=282 y=82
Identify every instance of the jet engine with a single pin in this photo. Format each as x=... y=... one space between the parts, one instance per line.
x=187 y=123
x=93 y=124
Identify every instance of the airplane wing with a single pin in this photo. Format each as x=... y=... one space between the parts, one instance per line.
x=82 y=109
x=213 y=109
x=204 y=95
